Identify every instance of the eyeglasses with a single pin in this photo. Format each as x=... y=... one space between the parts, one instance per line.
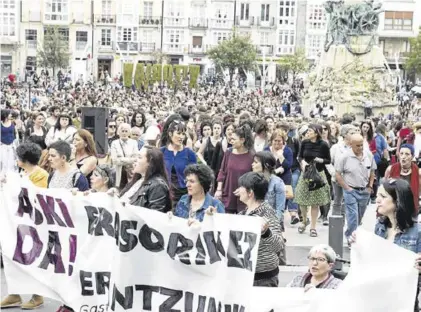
x=318 y=260
x=111 y=126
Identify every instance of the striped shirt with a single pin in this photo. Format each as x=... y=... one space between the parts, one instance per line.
x=272 y=246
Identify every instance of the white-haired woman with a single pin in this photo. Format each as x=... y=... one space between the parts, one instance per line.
x=321 y=260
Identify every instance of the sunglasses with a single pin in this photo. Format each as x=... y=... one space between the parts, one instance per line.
x=111 y=126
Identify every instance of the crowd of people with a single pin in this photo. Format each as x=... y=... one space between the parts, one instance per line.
x=223 y=151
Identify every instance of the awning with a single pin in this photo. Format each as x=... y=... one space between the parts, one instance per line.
x=105 y=57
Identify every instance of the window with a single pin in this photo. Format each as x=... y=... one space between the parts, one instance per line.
x=148 y=9
x=286 y=42
x=244 y=11
x=7 y=23
x=314 y=44
x=7 y=4
x=174 y=40
x=264 y=38
x=175 y=13
x=287 y=12
x=106 y=7
x=220 y=36
x=316 y=17
x=81 y=40
x=148 y=43
x=64 y=32
x=264 y=13
x=398 y=20
x=223 y=16
x=56 y=10
x=127 y=34
x=105 y=37
x=30 y=34
x=197 y=41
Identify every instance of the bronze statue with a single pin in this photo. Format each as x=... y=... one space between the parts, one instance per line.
x=351 y=20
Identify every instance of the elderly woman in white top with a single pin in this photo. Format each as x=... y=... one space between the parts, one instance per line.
x=123 y=155
x=62 y=131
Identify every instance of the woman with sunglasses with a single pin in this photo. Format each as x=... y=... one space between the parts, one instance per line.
x=177 y=157
x=395 y=205
x=149 y=187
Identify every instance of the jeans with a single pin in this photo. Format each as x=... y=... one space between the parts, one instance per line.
x=295 y=176
x=269 y=282
x=338 y=196
x=355 y=205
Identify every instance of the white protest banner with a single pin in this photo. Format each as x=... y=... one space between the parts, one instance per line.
x=154 y=263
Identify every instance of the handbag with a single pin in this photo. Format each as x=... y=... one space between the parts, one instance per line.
x=313 y=177
x=289 y=192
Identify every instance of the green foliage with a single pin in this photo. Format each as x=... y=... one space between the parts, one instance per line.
x=128 y=74
x=236 y=53
x=185 y=71
x=178 y=71
x=170 y=77
x=194 y=74
x=157 y=72
x=139 y=76
x=296 y=63
x=413 y=63
x=148 y=77
x=54 y=51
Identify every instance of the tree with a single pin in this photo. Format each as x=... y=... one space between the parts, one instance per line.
x=235 y=53
x=413 y=63
x=295 y=63
x=54 y=52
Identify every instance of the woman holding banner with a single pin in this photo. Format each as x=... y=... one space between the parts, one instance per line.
x=28 y=155
x=149 y=187
x=252 y=191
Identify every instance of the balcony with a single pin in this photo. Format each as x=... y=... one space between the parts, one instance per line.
x=81 y=45
x=105 y=19
x=266 y=23
x=175 y=21
x=268 y=49
x=175 y=48
x=104 y=47
x=150 y=21
x=131 y=47
x=222 y=23
x=198 y=50
x=31 y=44
x=197 y=22
x=244 y=22
x=147 y=47
x=391 y=56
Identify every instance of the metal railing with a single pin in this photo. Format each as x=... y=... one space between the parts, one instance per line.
x=244 y=22
x=128 y=46
x=198 y=22
x=105 y=19
x=175 y=21
x=222 y=23
x=202 y=49
x=266 y=23
x=178 y=48
x=150 y=21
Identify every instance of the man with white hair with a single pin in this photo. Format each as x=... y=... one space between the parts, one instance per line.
x=321 y=261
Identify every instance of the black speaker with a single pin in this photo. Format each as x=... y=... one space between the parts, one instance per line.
x=95 y=120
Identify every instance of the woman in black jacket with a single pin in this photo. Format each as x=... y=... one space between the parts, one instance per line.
x=149 y=187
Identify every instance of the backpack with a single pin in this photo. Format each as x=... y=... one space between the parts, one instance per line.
x=75 y=177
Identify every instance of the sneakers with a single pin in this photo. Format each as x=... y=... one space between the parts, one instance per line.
x=325 y=221
x=11 y=301
x=35 y=302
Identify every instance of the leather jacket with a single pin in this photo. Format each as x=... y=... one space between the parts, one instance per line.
x=153 y=194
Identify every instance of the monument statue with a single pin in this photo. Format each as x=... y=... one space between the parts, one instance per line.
x=346 y=21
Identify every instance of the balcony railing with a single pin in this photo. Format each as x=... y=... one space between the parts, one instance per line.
x=268 y=49
x=31 y=44
x=222 y=23
x=266 y=23
x=175 y=21
x=197 y=22
x=198 y=49
x=105 y=19
x=106 y=47
x=176 y=48
x=128 y=46
x=147 y=47
x=81 y=45
x=153 y=21
x=244 y=22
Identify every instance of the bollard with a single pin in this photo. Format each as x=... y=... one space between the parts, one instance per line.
x=336 y=237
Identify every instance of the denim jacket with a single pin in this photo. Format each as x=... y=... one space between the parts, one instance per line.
x=276 y=196
x=182 y=209
x=409 y=239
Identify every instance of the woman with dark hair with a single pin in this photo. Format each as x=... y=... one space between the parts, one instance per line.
x=367 y=132
x=138 y=121
x=208 y=146
x=252 y=189
x=85 y=152
x=28 y=155
x=314 y=150
x=120 y=119
x=264 y=162
x=164 y=137
x=149 y=187
x=62 y=131
x=64 y=175
x=193 y=205
x=36 y=133
x=261 y=135
x=177 y=157
x=205 y=133
x=395 y=205
x=237 y=161
x=102 y=178
x=7 y=137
